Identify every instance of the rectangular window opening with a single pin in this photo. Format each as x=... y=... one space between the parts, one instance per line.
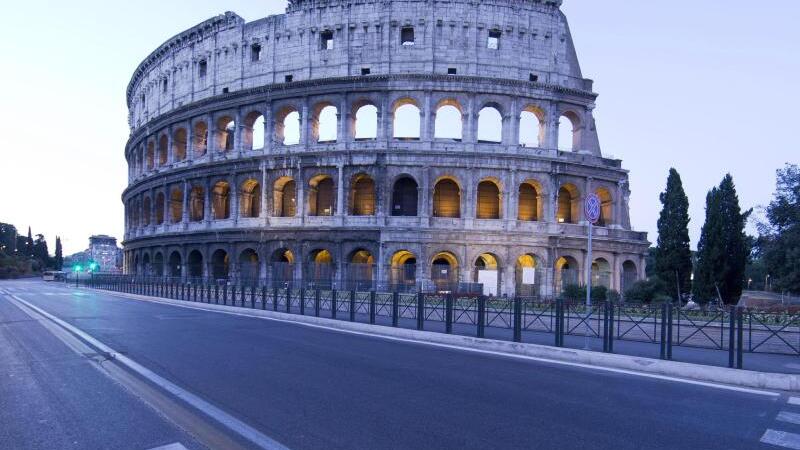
x=494 y=40
x=452 y=71
x=202 y=68
x=288 y=78
x=365 y=71
x=165 y=85
x=407 y=36
x=255 y=53
x=534 y=78
x=225 y=90
x=326 y=40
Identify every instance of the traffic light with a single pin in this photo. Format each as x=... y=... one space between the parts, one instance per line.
x=76 y=268
x=92 y=266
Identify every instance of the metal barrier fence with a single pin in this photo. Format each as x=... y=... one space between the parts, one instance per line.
x=523 y=319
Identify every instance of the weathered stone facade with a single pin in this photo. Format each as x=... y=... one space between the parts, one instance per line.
x=207 y=198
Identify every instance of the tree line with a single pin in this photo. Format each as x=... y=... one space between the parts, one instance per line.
x=25 y=255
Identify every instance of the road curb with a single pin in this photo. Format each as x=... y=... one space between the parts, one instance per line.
x=657 y=367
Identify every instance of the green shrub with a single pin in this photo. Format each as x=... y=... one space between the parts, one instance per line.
x=646 y=291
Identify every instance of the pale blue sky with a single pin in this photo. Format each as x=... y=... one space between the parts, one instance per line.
x=706 y=86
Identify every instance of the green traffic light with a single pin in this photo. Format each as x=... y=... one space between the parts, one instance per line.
x=76 y=268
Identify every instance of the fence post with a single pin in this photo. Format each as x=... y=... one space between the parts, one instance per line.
x=233 y=295
x=216 y=294
x=253 y=296
x=420 y=311
x=302 y=301
x=517 y=319
x=731 y=336
x=275 y=298
x=669 y=332
x=559 y=323
x=372 y=296
x=264 y=297
x=612 y=313
x=334 y=300
x=316 y=303
x=353 y=305
x=448 y=314
x=739 y=338
x=481 y=316
x=288 y=300
x=395 y=309
x=663 y=353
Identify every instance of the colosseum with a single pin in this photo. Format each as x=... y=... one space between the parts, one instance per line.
x=375 y=144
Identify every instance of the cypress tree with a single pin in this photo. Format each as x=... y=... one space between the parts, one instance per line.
x=29 y=244
x=673 y=255
x=59 y=258
x=723 y=249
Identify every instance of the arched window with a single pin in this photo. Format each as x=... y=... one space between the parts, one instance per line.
x=531 y=127
x=200 y=138
x=528 y=275
x=196 y=204
x=404 y=197
x=163 y=147
x=360 y=270
x=146 y=265
x=253 y=132
x=404 y=271
x=324 y=123
x=449 y=123
x=220 y=265
x=444 y=272
x=606 y=210
x=179 y=142
x=447 y=199
x=158 y=265
x=160 y=208
x=366 y=122
x=488 y=201
x=175 y=266
x=249 y=266
x=282 y=266
x=487 y=273
x=226 y=132
x=176 y=205
x=146 y=210
x=220 y=201
x=195 y=264
x=321 y=268
x=406 y=120
x=250 y=204
x=287 y=126
x=630 y=275
x=490 y=125
x=285 y=197
x=151 y=155
x=321 y=196
x=362 y=195
x=528 y=203
x=569 y=136
x=568 y=208
x=601 y=273
x=567 y=273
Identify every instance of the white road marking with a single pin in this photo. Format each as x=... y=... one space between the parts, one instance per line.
x=781 y=439
x=789 y=417
x=175 y=446
x=794 y=401
x=486 y=352
x=229 y=421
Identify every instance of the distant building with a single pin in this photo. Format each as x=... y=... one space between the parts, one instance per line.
x=104 y=251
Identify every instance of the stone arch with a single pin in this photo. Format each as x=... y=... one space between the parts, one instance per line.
x=607 y=207
x=197 y=204
x=532 y=128
x=160 y=203
x=601 y=272
x=250 y=202
x=444 y=271
x=403 y=274
x=287 y=125
x=320 y=269
x=405 y=197
x=249 y=266
x=194 y=263
x=630 y=275
x=360 y=270
x=147 y=206
x=568 y=204
x=324 y=122
x=163 y=150
x=490 y=123
x=321 y=196
x=137 y=270
x=226 y=132
x=221 y=200
x=487 y=271
x=180 y=141
x=529 y=208
x=175 y=263
x=147 y=267
x=488 y=200
x=253 y=131
x=528 y=274
x=449 y=122
x=406 y=119
x=567 y=272
x=569 y=131
x=220 y=265
x=151 y=155
x=362 y=195
x=364 y=120
x=285 y=197
x=176 y=204
x=200 y=138
x=447 y=198
x=282 y=263
x=158 y=264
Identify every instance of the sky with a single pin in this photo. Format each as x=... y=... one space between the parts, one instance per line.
x=705 y=86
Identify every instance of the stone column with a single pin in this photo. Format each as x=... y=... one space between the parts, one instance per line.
x=304 y=124
x=469 y=131
x=211 y=144
x=190 y=141
x=234 y=197
x=269 y=131
x=238 y=130
x=343 y=132
x=551 y=127
x=426 y=132
x=170 y=143
x=340 y=191
x=207 y=201
x=513 y=121
x=186 y=206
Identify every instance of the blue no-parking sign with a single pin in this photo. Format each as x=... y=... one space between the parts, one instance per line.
x=593 y=208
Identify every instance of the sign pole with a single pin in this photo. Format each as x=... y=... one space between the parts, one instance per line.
x=593 y=210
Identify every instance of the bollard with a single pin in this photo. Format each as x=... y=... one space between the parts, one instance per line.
x=288 y=300
x=731 y=336
x=264 y=297
x=739 y=339
x=663 y=343
x=395 y=309
x=517 y=319
x=353 y=305
x=316 y=302
x=669 y=333
x=420 y=311
x=275 y=299
x=481 y=316
x=372 y=299
x=302 y=301
x=333 y=303
x=611 y=311
x=448 y=314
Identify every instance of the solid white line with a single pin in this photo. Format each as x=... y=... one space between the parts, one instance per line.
x=231 y=422
x=486 y=352
x=789 y=417
x=175 y=446
x=781 y=439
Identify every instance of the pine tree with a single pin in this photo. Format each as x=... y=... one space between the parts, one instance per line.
x=59 y=258
x=723 y=250
x=673 y=255
x=29 y=244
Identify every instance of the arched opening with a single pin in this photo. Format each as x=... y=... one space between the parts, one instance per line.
x=175 y=265
x=220 y=265
x=406 y=121
x=136 y=268
x=151 y=155
x=321 y=268
x=531 y=127
x=403 y=271
x=365 y=126
x=200 y=138
x=253 y=132
x=568 y=204
x=146 y=210
x=249 y=266
x=226 y=132
x=405 y=197
x=449 y=121
x=147 y=267
x=285 y=197
x=158 y=264
x=528 y=210
x=528 y=276
x=196 y=204
x=567 y=273
x=321 y=196
x=601 y=273
x=195 y=264
x=250 y=204
x=490 y=125
x=569 y=136
x=487 y=274
x=444 y=272
x=176 y=205
x=163 y=150
x=606 y=209
x=362 y=196
x=159 y=208
x=287 y=126
x=446 y=199
x=179 y=143
x=488 y=200
x=220 y=200
x=360 y=270
x=630 y=275
x=282 y=266
x=324 y=123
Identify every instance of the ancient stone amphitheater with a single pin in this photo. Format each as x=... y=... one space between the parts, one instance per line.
x=376 y=144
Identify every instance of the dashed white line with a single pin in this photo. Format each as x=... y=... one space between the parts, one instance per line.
x=789 y=417
x=794 y=401
x=781 y=439
x=175 y=446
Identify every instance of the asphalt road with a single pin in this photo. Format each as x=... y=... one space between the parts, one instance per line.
x=312 y=388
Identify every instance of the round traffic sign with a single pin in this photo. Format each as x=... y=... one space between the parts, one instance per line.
x=593 y=208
